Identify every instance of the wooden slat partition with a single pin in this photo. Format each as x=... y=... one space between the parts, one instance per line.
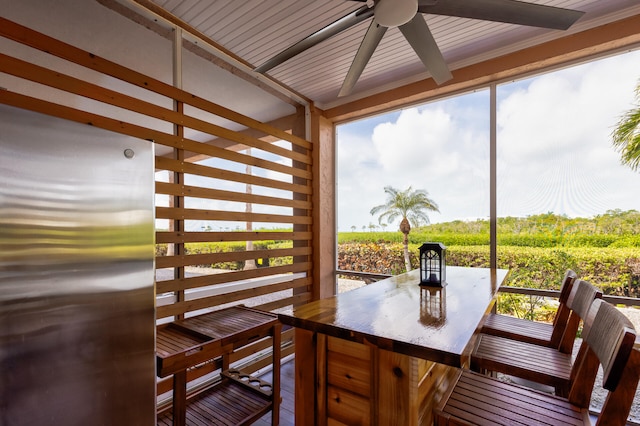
x=283 y=202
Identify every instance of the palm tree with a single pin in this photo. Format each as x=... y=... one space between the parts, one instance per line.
x=410 y=205
x=626 y=135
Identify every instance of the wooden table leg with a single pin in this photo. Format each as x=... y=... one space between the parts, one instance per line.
x=305 y=378
x=180 y=398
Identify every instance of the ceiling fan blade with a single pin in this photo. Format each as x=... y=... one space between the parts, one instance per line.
x=367 y=47
x=509 y=11
x=420 y=38
x=321 y=35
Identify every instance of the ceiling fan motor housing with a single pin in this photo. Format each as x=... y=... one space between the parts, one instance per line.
x=395 y=13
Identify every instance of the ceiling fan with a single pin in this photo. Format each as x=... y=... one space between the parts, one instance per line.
x=407 y=16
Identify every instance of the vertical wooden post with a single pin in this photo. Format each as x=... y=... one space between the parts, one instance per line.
x=324 y=206
x=396 y=399
x=493 y=172
x=177 y=201
x=179 y=398
x=299 y=129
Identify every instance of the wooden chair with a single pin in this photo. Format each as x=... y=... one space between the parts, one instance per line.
x=608 y=338
x=538 y=333
x=540 y=364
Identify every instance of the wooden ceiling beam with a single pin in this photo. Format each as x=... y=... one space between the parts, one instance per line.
x=596 y=42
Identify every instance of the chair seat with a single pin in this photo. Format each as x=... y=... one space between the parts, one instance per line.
x=532 y=362
x=482 y=400
x=538 y=333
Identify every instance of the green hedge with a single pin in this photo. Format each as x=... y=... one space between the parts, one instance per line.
x=615 y=270
x=545 y=240
x=611 y=269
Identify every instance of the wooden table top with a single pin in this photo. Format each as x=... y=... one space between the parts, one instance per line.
x=399 y=315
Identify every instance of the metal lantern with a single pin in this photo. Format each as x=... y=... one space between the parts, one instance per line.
x=432 y=264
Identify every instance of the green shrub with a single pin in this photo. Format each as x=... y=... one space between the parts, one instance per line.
x=613 y=270
x=533 y=308
x=615 y=267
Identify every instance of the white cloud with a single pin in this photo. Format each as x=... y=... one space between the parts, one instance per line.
x=418 y=140
x=554 y=149
x=554 y=142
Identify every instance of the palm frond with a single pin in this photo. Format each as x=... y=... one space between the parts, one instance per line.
x=626 y=135
x=410 y=204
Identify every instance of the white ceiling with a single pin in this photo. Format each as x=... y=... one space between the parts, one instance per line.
x=256 y=30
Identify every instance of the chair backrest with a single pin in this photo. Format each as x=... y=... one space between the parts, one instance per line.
x=580 y=299
x=562 y=314
x=611 y=337
x=582 y=296
x=567 y=284
x=608 y=340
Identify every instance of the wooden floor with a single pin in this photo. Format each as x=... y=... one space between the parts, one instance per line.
x=287 y=392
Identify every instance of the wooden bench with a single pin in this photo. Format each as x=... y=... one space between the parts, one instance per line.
x=540 y=364
x=608 y=339
x=538 y=333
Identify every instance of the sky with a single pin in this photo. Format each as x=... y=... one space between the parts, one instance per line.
x=553 y=146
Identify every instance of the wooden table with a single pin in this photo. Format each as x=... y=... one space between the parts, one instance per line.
x=384 y=353
x=238 y=398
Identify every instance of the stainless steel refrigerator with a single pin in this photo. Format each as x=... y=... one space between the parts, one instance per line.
x=77 y=303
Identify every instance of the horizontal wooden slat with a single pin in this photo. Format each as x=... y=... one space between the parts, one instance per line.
x=211 y=258
x=217 y=194
x=266 y=361
x=68 y=113
x=295 y=300
x=79 y=87
x=352 y=349
x=227 y=277
x=213 y=172
x=257 y=346
x=36 y=40
x=197 y=214
x=350 y=373
x=199 y=237
x=258 y=291
x=180 y=308
x=38 y=105
x=347 y=407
